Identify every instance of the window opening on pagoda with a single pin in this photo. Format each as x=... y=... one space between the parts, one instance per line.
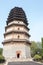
x=18 y=28
x=18 y=36
x=18 y=22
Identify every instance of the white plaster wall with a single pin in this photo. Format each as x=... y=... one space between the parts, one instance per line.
x=26 y=37
x=21 y=36
x=9 y=29
x=15 y=28
x=10 y=36
x=15 y=36
x=21 y=28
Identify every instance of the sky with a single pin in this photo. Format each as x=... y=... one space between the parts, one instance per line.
x=34 y=13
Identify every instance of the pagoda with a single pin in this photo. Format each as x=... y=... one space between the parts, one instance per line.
x=16 y=44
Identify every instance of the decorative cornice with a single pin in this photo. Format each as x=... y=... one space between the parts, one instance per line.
x=16 y=40
x=16 y=24
x=21 y=32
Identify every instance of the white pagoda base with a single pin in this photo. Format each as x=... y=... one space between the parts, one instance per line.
x=16 y=51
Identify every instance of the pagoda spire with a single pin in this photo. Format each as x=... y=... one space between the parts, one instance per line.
x=17 y=13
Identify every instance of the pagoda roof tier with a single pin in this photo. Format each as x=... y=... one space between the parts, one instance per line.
x=16 y=24
x=16 y=40
x=21 y=32
x=18 y=14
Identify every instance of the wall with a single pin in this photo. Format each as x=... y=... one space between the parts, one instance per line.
x=9 y=51
x=15 y=28
x=15 y=36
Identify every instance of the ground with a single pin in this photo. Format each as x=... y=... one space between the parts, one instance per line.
x=25 y=63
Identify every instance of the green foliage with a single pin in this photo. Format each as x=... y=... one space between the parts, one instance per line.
x=33 y=45
x=38 y=51
x=1 y=50
x=2 y=59
x=42 y=53
x=39 y=45
x=42 y=48
x=37 y=57
x=42 y=42
x=35 y=48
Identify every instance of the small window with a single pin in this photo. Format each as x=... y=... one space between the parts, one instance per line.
x=18 y=22
x=18 y=36
x=18 y=28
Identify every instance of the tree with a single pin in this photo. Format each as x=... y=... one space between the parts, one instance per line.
x=33 y=48
x=42 y=42
x=39 y=45
x=2 y=59
x=1 y=51
x=42 y=47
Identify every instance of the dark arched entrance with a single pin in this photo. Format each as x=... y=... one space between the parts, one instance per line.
x=18 y=55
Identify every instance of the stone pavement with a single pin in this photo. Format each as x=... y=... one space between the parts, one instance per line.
x=24 y=63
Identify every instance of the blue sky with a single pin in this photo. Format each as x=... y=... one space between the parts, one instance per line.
x=34 y=13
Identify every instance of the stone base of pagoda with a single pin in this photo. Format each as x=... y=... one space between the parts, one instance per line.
x=16 y=51
x=18 y=60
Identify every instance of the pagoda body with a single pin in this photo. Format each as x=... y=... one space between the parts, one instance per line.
x=16 y=38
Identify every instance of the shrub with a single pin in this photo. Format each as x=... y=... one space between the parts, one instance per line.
x=37 y=57
x=2 y=59
x=42 y=61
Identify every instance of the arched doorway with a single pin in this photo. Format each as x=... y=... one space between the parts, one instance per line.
x=18 y=55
